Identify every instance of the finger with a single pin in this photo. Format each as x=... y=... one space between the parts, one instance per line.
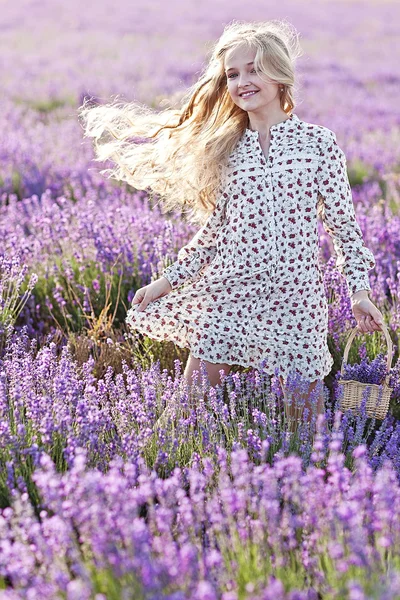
x=362 y=325
x=369 y=323
x=143 y=304
x=374 y=321
x=378 y=323
x=138 y=297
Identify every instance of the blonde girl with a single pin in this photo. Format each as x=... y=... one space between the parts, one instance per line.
x=239 y=161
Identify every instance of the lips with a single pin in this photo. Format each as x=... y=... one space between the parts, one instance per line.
x=248 y=94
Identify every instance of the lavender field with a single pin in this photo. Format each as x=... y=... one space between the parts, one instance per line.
x=223 y=502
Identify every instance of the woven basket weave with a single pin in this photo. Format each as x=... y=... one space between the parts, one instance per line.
x=377 y=404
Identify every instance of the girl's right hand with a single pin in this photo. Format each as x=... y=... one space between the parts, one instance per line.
x=152 y=291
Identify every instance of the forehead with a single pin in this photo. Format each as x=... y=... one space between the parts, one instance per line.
x=239 y=56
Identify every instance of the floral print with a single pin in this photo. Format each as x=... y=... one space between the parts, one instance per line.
x=248 y=286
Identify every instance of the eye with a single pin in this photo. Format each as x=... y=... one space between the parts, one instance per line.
x=231 y=75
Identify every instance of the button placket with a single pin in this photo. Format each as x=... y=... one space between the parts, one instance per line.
x=270 y=203
x=271 y=149
x=269 y=195
x=277 y=134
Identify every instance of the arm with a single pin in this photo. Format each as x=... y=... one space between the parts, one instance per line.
x=199 y=252
x=354 y=259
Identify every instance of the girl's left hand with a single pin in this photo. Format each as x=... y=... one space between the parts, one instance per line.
x=368 y=317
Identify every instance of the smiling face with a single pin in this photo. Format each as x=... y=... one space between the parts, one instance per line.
x=245 y=86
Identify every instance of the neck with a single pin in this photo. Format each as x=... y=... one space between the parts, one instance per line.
x=263 y=123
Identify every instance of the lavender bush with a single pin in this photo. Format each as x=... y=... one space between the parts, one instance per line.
x=13 y=297
x=216 y=529
x=50 y=403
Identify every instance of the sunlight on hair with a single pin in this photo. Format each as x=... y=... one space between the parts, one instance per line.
x=181 y=153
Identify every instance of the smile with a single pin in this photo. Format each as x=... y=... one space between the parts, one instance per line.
x=248 y=94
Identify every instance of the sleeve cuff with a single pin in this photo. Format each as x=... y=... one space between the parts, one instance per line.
x=356 y=284
x=176 y=275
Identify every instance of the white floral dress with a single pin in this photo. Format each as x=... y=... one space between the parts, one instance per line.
x=248 y=286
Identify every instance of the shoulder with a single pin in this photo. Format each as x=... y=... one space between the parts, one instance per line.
x=321 y=134
x=324 y=141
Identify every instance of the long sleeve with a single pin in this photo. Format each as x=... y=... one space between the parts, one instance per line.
x=354 y=259
x=200 y=251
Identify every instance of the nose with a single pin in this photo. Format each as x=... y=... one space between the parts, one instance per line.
x=242 y=80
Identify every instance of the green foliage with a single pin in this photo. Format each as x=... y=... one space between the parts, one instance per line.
x=174 y=440
x=372 y=581
x=82 y=297
x=251 y=564
x=372 y=343
x=358 y=172
x=16 y=183
x=147 y=351
x=46 y=105
x=15 y=290
x=390 y=186
x=105 y=582
x=23 y=429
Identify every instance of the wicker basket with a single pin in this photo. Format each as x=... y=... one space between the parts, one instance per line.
x=377 y=404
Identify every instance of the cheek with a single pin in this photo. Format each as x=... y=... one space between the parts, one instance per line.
x=231 y=92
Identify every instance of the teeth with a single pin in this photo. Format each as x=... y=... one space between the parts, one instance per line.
x=245 y=95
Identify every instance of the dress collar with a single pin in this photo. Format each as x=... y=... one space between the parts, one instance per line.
x=278 y=127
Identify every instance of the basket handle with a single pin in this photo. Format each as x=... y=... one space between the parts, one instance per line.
x=389 y=345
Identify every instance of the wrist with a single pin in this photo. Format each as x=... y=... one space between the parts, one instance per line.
x=360 y=295
x=167 y=280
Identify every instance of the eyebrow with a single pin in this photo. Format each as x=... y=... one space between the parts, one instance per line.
x=233 y=68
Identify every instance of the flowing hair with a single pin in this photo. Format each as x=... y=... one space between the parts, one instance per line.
x=181 y=153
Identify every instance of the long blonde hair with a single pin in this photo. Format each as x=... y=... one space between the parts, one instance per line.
x=181 y=153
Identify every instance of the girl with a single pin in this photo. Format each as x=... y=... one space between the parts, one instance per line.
x=248 y=286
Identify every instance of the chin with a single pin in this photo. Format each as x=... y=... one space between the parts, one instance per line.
x=252 y=107
x=247 y=103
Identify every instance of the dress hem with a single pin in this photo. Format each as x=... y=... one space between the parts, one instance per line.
x=266 y=369
x=182 y=335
